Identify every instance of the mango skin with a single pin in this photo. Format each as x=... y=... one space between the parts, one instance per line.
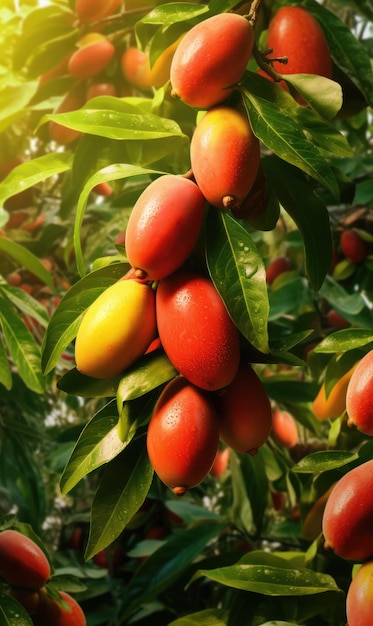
x=196 y=331
x=164 y=226
x=183 y=435
x=294 y=33
x=335 y=404
x=22 y=563
x=244 y=411
x=359 y=598
x=211 y=57
x=359 y=396
x=116 y=329
x=347 y=523
x=225 y=157
x=91 y=59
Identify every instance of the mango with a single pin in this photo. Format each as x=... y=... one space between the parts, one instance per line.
x=183 y=435
x=136 y=68
x=296 y=34
x=359 y=396
x=196 y=331
x=211 y=59
x=284 y=428
x=347 y=523
x=359 y=598
x=225 y=157
x=93 y=55
x=22 y=562
x=164 y=226
x=333 y=405
x=244 y=412
x=53 y=612
x=116 y=329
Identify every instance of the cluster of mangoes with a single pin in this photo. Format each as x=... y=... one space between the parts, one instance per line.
x=25 y=569
x=163 y=296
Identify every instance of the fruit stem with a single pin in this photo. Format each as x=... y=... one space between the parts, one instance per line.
x=265 y=63
x=254 y=10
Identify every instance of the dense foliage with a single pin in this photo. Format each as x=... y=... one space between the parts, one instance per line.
x=246 y=545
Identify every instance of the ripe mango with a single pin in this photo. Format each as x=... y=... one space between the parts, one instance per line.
x=91 y=58
x=284 y=428
x=116 y=329
x=225 y=157
x=335 y=404
x=22 y=563
x=210 y=59
x=296 y=34
x=348 y=515
x=359 y=598
x=183 y=435
x=244 y=412
x=164 y=226
x=359 y=396
x=196 y=331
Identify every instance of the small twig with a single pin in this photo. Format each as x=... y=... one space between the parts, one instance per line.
x=266 y=63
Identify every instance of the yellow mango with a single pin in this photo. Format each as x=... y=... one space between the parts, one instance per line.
x=332 y=406
x=116 y=329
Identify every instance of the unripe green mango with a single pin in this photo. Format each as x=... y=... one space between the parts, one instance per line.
x=196 y=331
x=244 y=411
x=164 y=226
x=225 y=157
x=183 y=435
x=210 y=59
x=116 y=329
x=359 y=396
x=348 y=516
x=359 y=598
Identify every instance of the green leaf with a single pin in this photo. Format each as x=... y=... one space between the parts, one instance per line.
x=352 y=306
x=98 y=444
x=120 y=120
x=279 y=131
x=309 y=214
x=281 y=390
x=271 y=576
x=34 y=171
x=26 y=303
x=207 y=617
x=322 y=94
x=22 y=347
x=167 y=564
x=324 y=461
x=123 y=488
x=13 y=100
x=63 y=325
x=324 y=136
x=27 y=260
x=146 y=374
x=250 y=490
x=345 y=340
x=12 y=613
x=238 y=273
x=5 y=373
x=76 y=384
x=173 y=12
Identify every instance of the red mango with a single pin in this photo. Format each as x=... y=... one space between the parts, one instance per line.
x=210 y=59
x=183 y=435
x=196 y=331
x=164 y=226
